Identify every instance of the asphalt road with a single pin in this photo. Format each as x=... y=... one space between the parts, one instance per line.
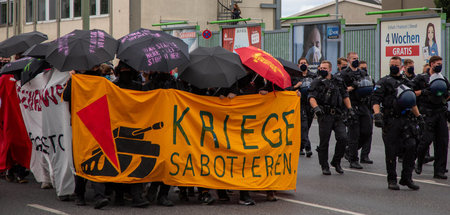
x=355 y=192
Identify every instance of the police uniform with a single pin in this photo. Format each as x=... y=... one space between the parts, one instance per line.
x=329 y=95
x=307 y=115
x=433 y=106
x=399 y=129
x=360 y=128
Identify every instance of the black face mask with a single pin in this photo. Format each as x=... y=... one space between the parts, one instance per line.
x=355 y=63
x=394 y=70
x=322 y=73
x=437 y=69
x=364 y=69
x=303 y=67
x=343 y=68
x=410 y=70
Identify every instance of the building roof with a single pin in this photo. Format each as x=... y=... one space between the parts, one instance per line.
x=376 y=4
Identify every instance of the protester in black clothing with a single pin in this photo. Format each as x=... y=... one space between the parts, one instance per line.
x=302 y=82
x=329 y=101
x=398 y=119
x=432 y=90
x=80 y=183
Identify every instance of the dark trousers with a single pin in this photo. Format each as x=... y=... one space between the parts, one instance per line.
x=163 y=189
x=327 y=124
x=306 y=121
x=360 y=133
x=18 y=171
x=134 y=189
x=399 y=140
x=436 y=131
x=80 y=188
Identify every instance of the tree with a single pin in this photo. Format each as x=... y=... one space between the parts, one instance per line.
x=445 y=5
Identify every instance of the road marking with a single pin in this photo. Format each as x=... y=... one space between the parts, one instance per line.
x=316 y=205
x=51 y=210
x=415 y=180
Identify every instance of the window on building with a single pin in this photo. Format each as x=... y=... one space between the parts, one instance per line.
x=65 y=9
x=41 y=10
x=3 y=11
x=104 y=6
x=46 y=9
x=29 y=10
x=93 y=7
x=76 y=8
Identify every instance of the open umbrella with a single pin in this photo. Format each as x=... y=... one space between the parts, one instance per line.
x=15 y=67
x=21 y=43
x=81 y=50
x=37 y=50
x=290 y=67
x=213 y=67
x=265 y=65
x=148 y=50
x=33 y=68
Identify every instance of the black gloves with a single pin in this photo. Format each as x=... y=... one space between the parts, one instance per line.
x=420 y=122
x=318 y=111
x=378 y=118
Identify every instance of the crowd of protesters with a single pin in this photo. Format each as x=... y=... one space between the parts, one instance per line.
x=303 y=82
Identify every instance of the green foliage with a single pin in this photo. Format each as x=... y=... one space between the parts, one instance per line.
x=445 y=5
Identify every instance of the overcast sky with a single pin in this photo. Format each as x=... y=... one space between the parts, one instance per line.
x=290 y=7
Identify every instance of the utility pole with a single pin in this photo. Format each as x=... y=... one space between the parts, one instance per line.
x=8 y=5
x=337 y=9
x=111 y=17
x=85 y=12
x=58 y=18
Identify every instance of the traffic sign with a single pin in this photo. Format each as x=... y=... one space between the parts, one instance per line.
x=206 y=34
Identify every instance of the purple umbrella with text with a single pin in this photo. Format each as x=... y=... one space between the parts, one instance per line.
x=148 y=50
x=81 y=50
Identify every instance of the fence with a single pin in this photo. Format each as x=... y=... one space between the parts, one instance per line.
x=277 y=43
x=361 y=40
x=211 y=42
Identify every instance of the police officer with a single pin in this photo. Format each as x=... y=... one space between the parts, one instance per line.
x=342 y=64
x=328 y=98
x=398 y=119
x=432 y=90
x=408 y=69
x=303 y=82
x=359 y=128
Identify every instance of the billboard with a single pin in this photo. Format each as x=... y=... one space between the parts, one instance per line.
x=417 y=39
x=233 y=38
x=317 y=42
x=189 y=36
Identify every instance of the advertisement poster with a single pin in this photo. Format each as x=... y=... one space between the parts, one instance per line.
x=317 y=42
x=189 y=36
x=233 y=38
x=416 y=39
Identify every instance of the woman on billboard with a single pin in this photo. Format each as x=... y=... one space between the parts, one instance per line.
x=431 y=48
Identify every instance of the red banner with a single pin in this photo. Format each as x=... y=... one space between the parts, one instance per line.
x=234 y=38
x=15 y=145
x=402 y=51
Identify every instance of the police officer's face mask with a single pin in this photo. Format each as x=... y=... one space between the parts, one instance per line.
x=437 y=68
x=394 y=70
x=322 y=73
x=343 y=68
x=410 y=70
x=303 y=67
x=355 y=63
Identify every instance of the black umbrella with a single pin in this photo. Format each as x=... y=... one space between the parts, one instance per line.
x=16 y=67
x=21 y=43
x=148 y=50
x=38 y=50
x=33 y=68
x=290 y=67
x=81 y=50
x=213 y=67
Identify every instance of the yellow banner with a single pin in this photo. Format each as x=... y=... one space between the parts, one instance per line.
x=251 y=142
